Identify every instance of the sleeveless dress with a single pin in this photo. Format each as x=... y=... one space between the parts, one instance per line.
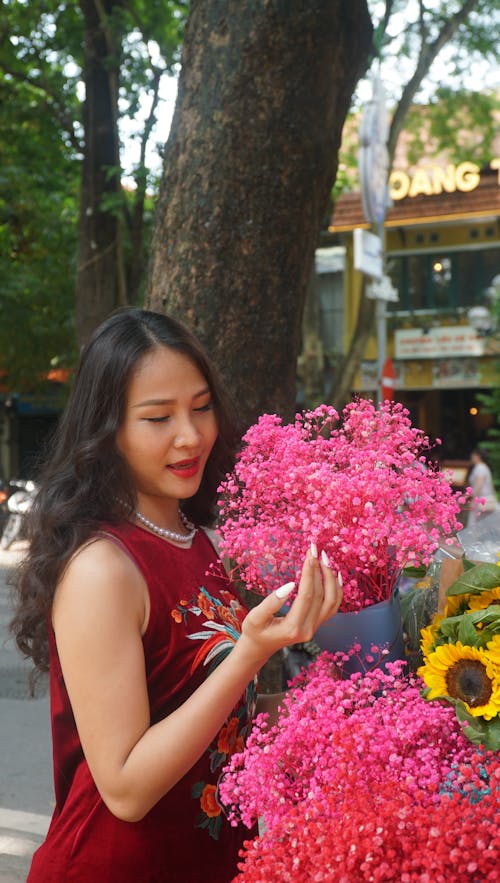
x=195 y=620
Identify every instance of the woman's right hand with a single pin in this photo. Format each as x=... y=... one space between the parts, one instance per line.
x=318 y=598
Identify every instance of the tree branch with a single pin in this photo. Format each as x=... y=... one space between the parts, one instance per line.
x=427 y=56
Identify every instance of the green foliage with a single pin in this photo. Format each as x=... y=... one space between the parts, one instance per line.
x=38 y=210
x=478 y=578
x=479 y=731
x=407 y=31
x=41 y=151
x=461 y=123
x=441 y=111
x=470 y=628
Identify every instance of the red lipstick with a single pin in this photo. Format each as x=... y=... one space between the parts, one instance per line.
x=185 y=468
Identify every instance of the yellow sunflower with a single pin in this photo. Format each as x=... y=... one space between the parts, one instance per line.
x=428 y=636
x=494 y=650
x=484 y=599
x=467 y=673
x=454 y=603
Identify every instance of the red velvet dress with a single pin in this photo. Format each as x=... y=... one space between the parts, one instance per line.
x=194 y=622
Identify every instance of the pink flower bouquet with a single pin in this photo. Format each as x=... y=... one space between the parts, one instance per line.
x=360 y=487
x=363 y=780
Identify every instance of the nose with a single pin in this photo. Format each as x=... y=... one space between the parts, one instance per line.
x=187 y=434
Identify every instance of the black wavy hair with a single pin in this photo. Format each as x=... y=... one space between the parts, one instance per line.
x=85 y=473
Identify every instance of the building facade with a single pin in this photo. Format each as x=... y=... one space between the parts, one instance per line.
x=442 y=255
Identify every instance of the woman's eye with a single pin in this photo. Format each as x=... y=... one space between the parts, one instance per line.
x=157 y=419
x=207 y=407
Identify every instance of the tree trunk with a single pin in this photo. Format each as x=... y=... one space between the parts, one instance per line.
x=98 y=271
x=250 y=162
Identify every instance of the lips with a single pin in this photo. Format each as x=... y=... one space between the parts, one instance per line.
x=185 y=468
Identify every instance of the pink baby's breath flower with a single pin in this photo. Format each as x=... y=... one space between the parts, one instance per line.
x=361 y=488
x=363 y=780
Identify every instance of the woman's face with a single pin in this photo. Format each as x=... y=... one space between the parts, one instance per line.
x=168 y=430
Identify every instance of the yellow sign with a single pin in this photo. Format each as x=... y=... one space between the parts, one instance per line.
x=435 y=180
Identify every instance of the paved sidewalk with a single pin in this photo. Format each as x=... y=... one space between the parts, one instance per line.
x=20 y=835
x=26 y=790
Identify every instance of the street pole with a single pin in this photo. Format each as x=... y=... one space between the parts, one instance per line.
x=381 y=318
x=373 y=169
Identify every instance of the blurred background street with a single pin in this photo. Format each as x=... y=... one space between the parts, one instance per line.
x=26 y=792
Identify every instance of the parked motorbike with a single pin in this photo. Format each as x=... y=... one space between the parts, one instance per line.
x=18 y=503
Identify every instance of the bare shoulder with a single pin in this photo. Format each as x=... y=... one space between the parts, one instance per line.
x=102 y=576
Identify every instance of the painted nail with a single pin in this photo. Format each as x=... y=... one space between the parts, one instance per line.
x=339 y=579
x=325 y=559
x=285 y=591
x=314 y=550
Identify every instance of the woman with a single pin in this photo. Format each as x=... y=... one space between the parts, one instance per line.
x=483 y=499
x=152 y=658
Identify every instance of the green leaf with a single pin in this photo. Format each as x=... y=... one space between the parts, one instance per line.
x=480 y=578
x=449 y=627
x=415 y=572
x=475 y=731
x=486 y=635
x=489 y=613
x=467 y=632
x=493 y=734
x=478 y=730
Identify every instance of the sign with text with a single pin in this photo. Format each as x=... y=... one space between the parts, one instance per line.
x=368 y=251
x=446 y=340
x=438 y=179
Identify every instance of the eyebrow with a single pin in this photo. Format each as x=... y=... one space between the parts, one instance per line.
x=149 y=402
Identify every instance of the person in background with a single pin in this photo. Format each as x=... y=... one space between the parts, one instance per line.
x=152 y=657
x=483 y=499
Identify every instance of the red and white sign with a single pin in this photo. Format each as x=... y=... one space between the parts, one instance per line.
x=439 y=342
x=388 y=381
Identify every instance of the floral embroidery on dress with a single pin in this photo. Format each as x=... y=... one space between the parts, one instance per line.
x=221 y=621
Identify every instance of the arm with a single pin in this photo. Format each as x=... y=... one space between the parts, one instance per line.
x=99 y=614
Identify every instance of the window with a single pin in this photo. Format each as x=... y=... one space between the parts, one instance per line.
x=443 y=280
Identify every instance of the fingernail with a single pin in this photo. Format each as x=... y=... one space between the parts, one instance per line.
x=285 y=591
x=314 y=550
x=325 y=559
x=339 y=579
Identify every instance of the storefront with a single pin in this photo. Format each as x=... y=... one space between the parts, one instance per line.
x=27 y=423
x=442 y=254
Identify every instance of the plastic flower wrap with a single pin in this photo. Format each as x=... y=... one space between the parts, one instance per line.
x=363 y=780
x=461 y=653
x=360 y=487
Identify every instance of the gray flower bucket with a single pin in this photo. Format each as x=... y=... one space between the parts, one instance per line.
x=378 y=625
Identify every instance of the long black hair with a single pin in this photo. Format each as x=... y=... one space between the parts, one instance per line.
x=85 y=474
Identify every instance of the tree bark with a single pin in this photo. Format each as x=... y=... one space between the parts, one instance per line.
x=250 y=162
x=98 y=270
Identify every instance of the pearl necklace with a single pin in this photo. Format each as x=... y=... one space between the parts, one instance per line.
x=167 y=534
